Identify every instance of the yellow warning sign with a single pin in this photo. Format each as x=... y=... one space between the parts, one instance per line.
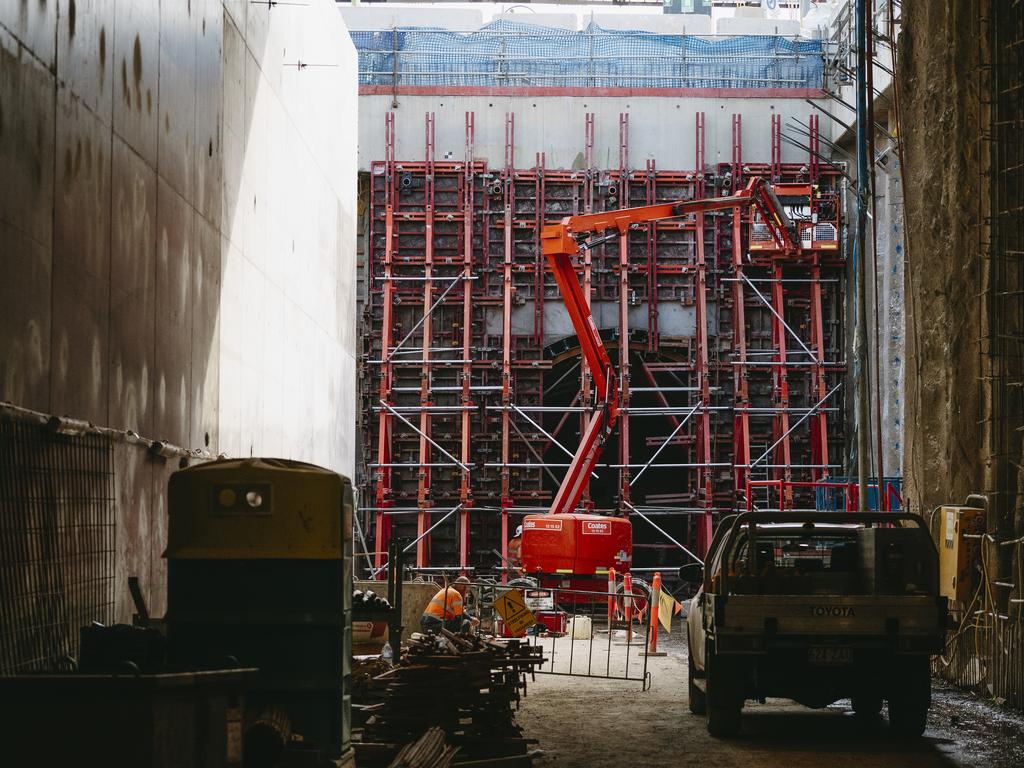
x=667 y=606
x=513 y=611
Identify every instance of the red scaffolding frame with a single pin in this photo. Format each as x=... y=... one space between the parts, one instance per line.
x=732 y=344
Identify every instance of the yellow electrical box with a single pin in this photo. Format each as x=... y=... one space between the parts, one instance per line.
x=957 y=552
x=244 y=509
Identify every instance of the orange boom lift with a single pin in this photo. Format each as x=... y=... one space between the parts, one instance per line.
x=563 y=542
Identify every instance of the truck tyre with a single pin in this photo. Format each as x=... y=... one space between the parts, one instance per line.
x=724 y=699
x=911 y=697
x=867 y=705
x=697 y=701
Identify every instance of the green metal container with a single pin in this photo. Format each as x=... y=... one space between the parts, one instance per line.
x=259 y=573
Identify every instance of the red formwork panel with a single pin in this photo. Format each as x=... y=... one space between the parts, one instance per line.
x=472 y=386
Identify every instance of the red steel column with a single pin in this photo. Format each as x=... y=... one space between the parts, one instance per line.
x=465 y=490
x=382 y=497
x=700 y=156
x=506 y=348
x=819 y=421
x=588 y=207
x=423 y=476
x=776 y=167
x=781 y=378
x=741 y=397
x=652 y=261
x=737 y=151
x=623 y=383
x=704 y=413
x=540 y=263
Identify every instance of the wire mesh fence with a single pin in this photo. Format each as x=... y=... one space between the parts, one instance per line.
x=57 y=522
x=512 y=54
x=985 y=652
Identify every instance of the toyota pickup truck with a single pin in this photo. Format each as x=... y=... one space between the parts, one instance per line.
x=815 y=607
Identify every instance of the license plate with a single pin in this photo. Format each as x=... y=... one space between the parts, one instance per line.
x=827 y=654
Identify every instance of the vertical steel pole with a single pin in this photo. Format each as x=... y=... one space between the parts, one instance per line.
x=506 y=339
x=383 y=496
x=623 y=291
x=652 y=261
x=465 y=491
x=860 y=253
x=869 y=60
x=426 y=374
x=741 y=424
x=704 y=419
x=623 y=383
x=781 y=374
x=819 y=425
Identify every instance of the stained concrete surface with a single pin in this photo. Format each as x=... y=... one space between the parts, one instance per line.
x=593 y=723
x=177 y=235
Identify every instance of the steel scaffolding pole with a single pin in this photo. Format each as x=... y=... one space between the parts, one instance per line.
x=465 y=491
x=704 y=423
x=862 y=9
x=382 y=526
x=426 y=373
x=623 y=290
x=508 y=187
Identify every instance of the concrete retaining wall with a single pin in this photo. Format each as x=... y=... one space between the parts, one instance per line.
x=177 y=234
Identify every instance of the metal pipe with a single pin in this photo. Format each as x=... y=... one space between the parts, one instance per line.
x=860 y=254
x=796 y=424
x=663 y=532
x=422 y=434
x=550 y=437
x=779 y=317
x=374 y=465
x=532 y=450
x=455 y=281
x=661 y=447
x=423 y=535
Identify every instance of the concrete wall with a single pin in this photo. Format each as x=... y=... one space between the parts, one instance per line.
x=659 y=127
x=177 y=234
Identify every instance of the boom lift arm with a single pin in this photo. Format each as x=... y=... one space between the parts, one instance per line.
x=561 y=241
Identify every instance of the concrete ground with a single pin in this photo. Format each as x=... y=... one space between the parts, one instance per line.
x=592 y=722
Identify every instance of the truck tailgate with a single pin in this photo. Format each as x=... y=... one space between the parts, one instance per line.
x=870 y=615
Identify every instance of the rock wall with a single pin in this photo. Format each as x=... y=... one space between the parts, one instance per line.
x=944 y=451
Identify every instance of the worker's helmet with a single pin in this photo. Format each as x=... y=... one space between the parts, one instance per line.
x=519 y=531
x=461 y=580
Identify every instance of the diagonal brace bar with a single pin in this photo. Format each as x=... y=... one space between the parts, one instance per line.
x=779 y=318
x=540 y=429
x=455 y=281
x=425 y=436
x=663 y=532
x=417 y=540
x=668 y=440
x=800 y=421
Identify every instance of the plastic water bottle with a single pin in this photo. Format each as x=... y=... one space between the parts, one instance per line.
x=386 y=653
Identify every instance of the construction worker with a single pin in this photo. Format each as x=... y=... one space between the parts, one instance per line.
x=445 y=609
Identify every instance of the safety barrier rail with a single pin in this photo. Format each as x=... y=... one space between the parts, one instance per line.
x=595 y=643
x=846 y=491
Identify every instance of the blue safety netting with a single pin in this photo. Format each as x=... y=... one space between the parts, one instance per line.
x=505 y=53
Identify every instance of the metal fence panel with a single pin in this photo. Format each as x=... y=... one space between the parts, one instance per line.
x=56 y=543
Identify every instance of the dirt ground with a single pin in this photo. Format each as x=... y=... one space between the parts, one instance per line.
x=591 y=723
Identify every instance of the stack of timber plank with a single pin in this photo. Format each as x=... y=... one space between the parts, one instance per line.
x=467 y=686
x=430 y=751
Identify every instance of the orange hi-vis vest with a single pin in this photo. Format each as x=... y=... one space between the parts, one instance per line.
x=445 y=605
